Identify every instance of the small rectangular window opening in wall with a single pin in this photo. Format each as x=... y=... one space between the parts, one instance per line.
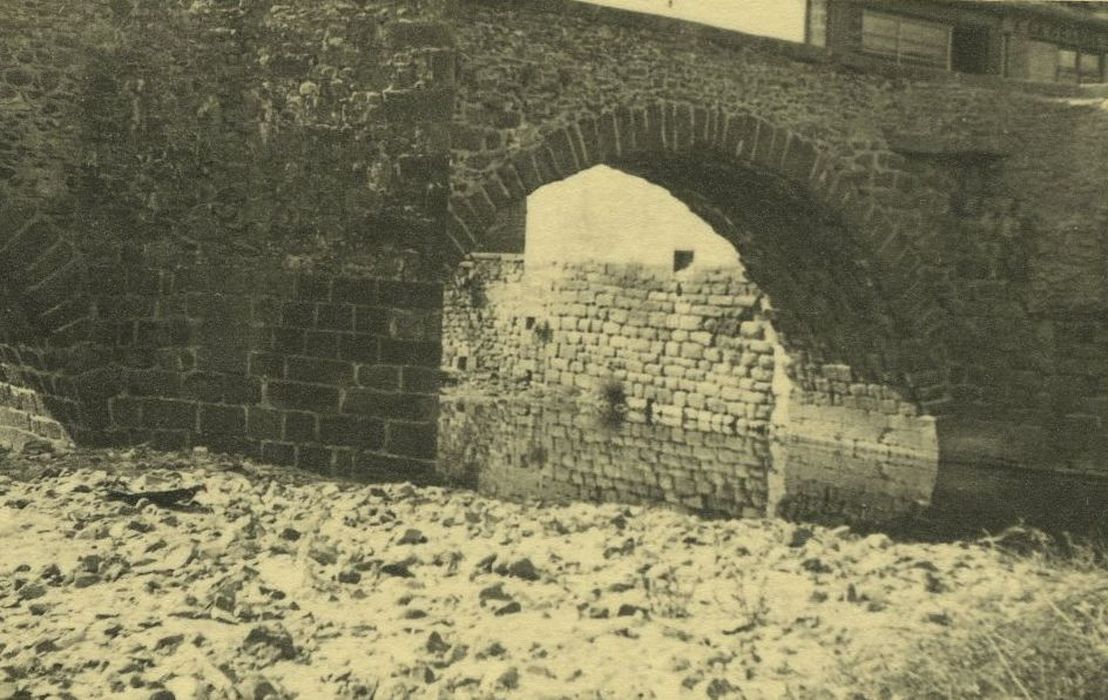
x=682 y=259
x=529 y=322
x=462 y=362
x=969 y=50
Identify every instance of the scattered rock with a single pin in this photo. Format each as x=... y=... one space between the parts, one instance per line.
x=325 y=555
x=271 y=641
x=349 y=576
x=494 y=592
x=397 y=569
x=260 y=689
x=877 y=541
x=509 y=680
x=412 y=536
x=485 y=565
x=628 y=610
x=800 y=536
x=169 y=644
x=523 y=569
x=816 y=566
x=51 y=572
x=934 y=584
x=509 y=609
x=436 y=644
x=32 y=591
x=721 y=688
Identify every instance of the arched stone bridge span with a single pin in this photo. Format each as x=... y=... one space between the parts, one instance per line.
x=910 y=224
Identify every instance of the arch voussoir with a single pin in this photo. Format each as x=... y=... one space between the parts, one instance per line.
x=560 y=144
x=548 y=166
x=799 y=161
x=590 y=141
x=528 y=172
x=512 y=182
x=483 y=206
x=607 y=137
x=496 y=192
x=473 y=224
x=627 y=130
x=459 y=232
x=683 y=127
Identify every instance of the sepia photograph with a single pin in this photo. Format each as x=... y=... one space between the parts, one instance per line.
x=553 y=349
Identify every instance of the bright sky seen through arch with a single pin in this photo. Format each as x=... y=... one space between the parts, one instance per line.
x=605 y=215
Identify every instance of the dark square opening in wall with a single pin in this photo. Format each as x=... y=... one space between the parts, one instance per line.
x=969 y=50
x=461 y=362
x=682 y=259
x=529 y=322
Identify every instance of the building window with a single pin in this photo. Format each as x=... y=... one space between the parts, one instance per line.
x=1063 y=64
x=1090 y=67
x=1042 y=62
x=906 y=40
x=1079 y=66
x=816 y=26
x=1067 y=66
x=969 y=49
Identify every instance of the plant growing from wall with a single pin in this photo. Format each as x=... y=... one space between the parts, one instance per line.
x=542 y=332
x=613 y=402
x=470 y=283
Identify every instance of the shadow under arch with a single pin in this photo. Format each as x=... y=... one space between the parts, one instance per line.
x=44 y=309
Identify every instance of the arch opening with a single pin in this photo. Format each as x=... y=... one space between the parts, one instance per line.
x=775 y=341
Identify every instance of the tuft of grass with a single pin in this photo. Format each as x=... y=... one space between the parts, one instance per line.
x=1057 y=650
x=613 y=402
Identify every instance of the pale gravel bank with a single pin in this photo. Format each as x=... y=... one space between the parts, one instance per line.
x=282 y=585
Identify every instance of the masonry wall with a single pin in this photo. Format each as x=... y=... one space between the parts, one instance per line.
x=519 y=448
x=37 y=402
x=332 y=373
x=220 y=225
x=696 y=355
x=488 y=308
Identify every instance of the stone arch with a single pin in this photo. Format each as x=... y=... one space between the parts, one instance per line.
x=665 y=137
x=46 y=278
x=44 y=306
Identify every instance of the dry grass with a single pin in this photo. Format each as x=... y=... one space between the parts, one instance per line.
x=1059 y=651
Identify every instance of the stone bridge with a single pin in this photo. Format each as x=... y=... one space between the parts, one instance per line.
x=941 y=235
x=932 y=239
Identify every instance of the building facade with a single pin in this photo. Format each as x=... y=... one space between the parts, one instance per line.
x=1041 y=42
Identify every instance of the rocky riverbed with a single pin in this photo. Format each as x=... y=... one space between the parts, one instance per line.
x=274 y=583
